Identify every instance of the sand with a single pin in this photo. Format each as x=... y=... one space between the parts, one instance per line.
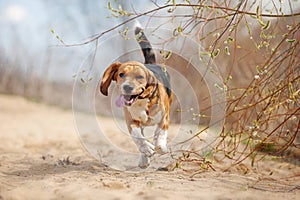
x=42 y=157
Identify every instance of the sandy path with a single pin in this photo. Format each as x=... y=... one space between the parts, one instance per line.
x=41 y=157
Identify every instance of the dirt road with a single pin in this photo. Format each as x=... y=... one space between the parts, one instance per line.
x=41 y=157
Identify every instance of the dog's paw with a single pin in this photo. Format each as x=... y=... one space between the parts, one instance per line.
x=144 y=161
x=160 y=141
x=147 y=149
x=161 y=149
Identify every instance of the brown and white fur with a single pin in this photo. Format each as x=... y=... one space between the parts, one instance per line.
x=145 y=96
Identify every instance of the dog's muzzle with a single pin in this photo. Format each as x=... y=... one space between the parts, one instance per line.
x=127 y=99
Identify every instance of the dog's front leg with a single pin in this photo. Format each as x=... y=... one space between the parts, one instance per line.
x=160 y=140
x=145 y=147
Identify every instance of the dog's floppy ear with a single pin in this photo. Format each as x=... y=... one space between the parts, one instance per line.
x=151 y=81
x=108 y=76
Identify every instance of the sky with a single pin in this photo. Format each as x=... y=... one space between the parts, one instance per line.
x=26 y=38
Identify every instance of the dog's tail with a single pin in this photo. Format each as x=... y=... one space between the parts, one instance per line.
x=145 y=45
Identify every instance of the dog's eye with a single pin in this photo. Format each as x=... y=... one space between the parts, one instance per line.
x=121 y=75
x=139 y=77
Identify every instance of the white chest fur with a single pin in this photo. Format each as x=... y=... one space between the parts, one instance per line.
x=138 y=111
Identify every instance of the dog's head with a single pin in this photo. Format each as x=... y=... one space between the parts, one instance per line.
x=133 y=80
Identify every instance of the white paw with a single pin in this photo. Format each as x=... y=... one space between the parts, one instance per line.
x=147 y=149
x=144 y=161
x=160 y=141
x=161 y=149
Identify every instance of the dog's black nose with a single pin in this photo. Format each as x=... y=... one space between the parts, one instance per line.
x=128 y=88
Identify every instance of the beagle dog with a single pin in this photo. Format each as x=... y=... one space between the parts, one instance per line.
x=145 y=96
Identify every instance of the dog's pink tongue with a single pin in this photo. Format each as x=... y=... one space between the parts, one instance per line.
x=119 y=102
